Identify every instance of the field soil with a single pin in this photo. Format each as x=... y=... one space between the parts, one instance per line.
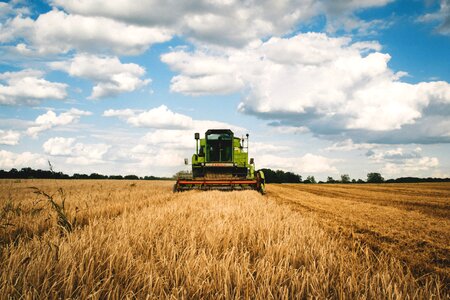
x=105 y=239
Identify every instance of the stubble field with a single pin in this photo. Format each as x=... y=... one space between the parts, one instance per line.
x=136 y=239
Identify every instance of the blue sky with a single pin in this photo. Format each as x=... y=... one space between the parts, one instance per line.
x=324 y=88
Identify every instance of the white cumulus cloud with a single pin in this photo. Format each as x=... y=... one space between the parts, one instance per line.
x=9 y=137
x=441 y=17
x=77 y=153
x=411 y=167
x=111 y=77
x=10 y=160
x=306 y=164
x=158 y=117
x=349 y=145
x=204 y=21
x=162 y=117
x=50 y=119
x=28 y=87
x=202 y=74
x=58 y=32
x=403 y=162
x=315 y=81
x=59 y=146
x=223 y=23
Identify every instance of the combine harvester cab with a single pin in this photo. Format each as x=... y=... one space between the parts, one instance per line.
x=221 y=162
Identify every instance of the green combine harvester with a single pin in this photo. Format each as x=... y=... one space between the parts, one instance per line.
x=221 y=162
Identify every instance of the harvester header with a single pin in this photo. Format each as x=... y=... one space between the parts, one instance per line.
x=221 y=162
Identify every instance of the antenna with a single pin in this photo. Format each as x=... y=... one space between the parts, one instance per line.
x=247 y=141
x=197 y=137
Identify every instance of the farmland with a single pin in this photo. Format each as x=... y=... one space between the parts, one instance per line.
x=122 y=239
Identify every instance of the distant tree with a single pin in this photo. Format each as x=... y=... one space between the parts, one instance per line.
x=374 y=178
x=80 y=176
x=131 y=177
x=97 y=176
x=345 y=178
x=360 y=181
x=280 y=176
x=271 y=176
x=353 y=180
x=310 y=179
x=330 y=180
x=289 y=177
x=26 y=173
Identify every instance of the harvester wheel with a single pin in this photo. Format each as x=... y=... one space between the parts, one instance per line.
x=261 y=182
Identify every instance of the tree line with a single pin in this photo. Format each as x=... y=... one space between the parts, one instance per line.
x=271 y=176
x=280 y=176
x=29 y=173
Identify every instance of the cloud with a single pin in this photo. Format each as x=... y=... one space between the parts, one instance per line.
x=306 y=164
x=50 y=119
x=57 y=32
x=403 y=162
x=6 y=9
x=159 y=117
x=266 y=148
x=86 y=154
x=349 y=145
x=59 y=146
x=78 y=153
x=28 y=87
x=162 y=117
x=10 y=160
x=204 y=21
x=441 y=18
x=340 y=15
x=328 y=85
x=279 y=129
x=149 y=156
x=9 y=137
x=410 y=167
x=220 y=23
x=202 y=74
x=110 y=76
x=395 y=155
x=11 y=9
x=121 y=113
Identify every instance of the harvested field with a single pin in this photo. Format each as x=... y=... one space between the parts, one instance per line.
x=122 y=239
x=409 y=221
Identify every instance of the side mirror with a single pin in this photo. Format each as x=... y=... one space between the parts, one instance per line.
x=186 y=161
x=197 y=135
x=252 y=161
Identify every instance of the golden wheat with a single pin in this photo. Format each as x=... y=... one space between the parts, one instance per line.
x=139 y=240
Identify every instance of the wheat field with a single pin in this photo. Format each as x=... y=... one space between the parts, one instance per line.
x=100 y=239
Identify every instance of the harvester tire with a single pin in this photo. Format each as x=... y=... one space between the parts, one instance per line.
x=261 y=182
